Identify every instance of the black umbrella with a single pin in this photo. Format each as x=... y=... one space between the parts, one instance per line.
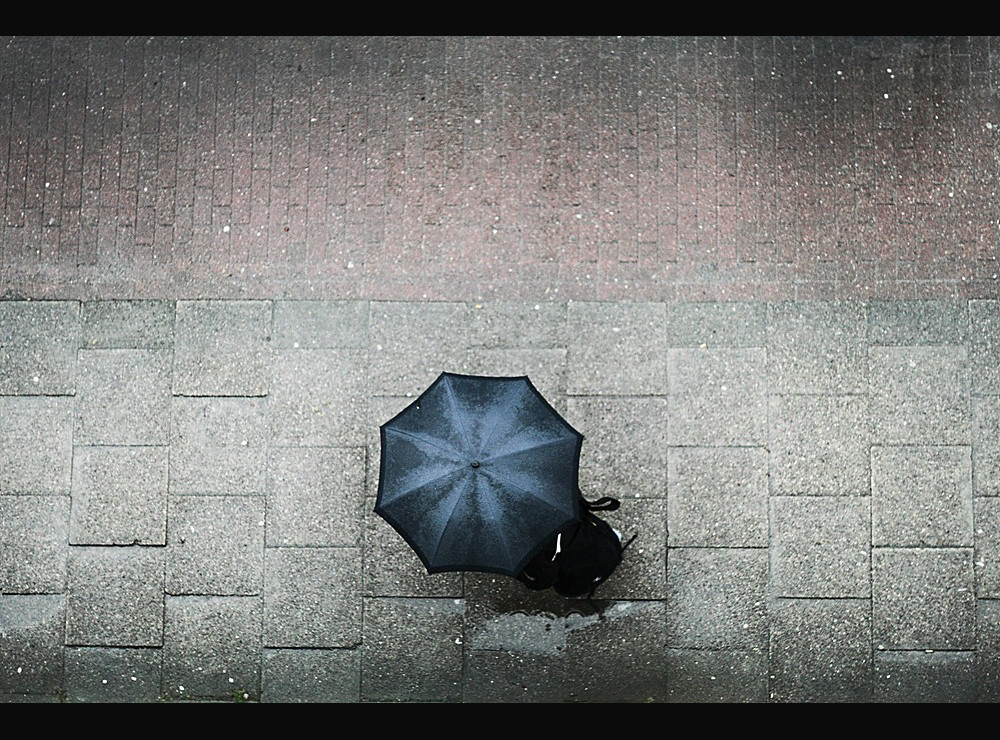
x=479 y=473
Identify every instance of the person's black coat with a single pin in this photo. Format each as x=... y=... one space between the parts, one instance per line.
x=589 y=553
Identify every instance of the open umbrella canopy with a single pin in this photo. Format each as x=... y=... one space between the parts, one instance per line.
x=478 y=473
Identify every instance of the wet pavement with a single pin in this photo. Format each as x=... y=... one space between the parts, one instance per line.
x=758 y=273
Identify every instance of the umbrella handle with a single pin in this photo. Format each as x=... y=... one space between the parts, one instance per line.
x=605 y=503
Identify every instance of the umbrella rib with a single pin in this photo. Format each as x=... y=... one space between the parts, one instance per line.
x=540 y=445
x=487 y=437
x=426 y=440
x=456 y=411
x=506 y=482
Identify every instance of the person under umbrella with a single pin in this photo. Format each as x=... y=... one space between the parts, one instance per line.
x=581 y=557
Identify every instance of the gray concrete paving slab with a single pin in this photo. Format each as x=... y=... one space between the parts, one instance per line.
x=820 y=546
x=988 y=648
x=127 y=324
x=119 y=496
x=986 y=445
x=984 y=346
x=920 y=395
x=32 y=635
x=319 y=397
x=507 y=677
x=36 y=445
x=38 y=348
x=923 y=599
x=215 y=545
x=817 y=347
x=222 y=348
x=714 y=324
x=716 y=598
x=819 y=445
x=717 y=397
x=212 y=647
x=717 y=676
x=632 y=432
x=921 y=496
x=219 y=446
x=918 y=676
x=620 y=657
x=617 y=349
x=311 y=676
x=821 y=650
x=717 y=496
x=412 y=650
x=123 y=397
x=986 y=524
x=34 y=539
x=102 y=675
x=312 y=597
x=114 y=596
x=908 y=323
x=315 y=496
x=320 y=324
x=411 y=344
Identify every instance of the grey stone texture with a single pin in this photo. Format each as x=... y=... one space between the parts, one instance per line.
x=817 y=347
x=904 y=323
x=986 y=513
x=717 y=496
x=102 y=675
x=312 y=597
x=921 y=496
x=212 y=647
x=716 y=598
x=221 y=348
x=713 y=324
x=920 y=395
x=786 y=469
x=925 y=677
x=412 y=650
x=36 y=445
x=32 y=634
x=34 y=534
x=123 y=397
x=320 y=324
x=820 y=547
x=717 y=676
x=624 y=452
x=984 y=346
x=319 y=397
x=617 y=349
x=114 y=597
x=215 y=545
x=119 y=496
x=127 y=324
x=315 y=496
x=311 y=676
x=986 y=445
x=717 y=397
x=38 y=343
x=219 y=446
x=923 y=599
x=821 y=650
x=411 y=344
x=819 y=445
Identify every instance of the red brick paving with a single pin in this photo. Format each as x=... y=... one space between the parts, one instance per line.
x=597 y=168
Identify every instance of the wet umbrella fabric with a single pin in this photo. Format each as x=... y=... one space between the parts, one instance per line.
x=479 y=473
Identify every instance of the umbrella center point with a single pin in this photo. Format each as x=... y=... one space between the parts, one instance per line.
x=475 y=463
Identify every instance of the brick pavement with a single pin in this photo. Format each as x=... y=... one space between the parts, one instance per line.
x=758 y=274
x=607 y=168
